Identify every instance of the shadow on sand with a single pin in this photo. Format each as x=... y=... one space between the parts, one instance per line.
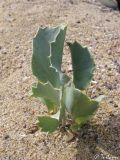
x=100 y=142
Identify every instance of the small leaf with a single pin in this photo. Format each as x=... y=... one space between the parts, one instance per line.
x=83 y=65
x=48 y=124
x=78 y=104
x=46 y=91
x=49 y=95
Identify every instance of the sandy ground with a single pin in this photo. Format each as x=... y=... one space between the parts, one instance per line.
x=92 y=25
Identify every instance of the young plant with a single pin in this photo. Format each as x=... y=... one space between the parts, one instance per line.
x=56 y=90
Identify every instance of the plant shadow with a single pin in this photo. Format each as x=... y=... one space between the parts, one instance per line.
x=99 y=141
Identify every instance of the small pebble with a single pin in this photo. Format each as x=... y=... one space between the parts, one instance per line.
x=33 y=129
x=6 y=136
x=24 y=126
x=4 y=52
x=78 y=21
x=107 y=20
x=115 y=105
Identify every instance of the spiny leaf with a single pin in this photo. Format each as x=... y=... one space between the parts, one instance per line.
x=46 y=91
x=83 y=65
x=45 y=45
x=49 y=95
x=78 y=104
x=50 y=123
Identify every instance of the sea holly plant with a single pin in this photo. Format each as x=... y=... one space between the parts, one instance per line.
x=61 y=94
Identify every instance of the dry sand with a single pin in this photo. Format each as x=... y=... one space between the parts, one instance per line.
x=92 y=25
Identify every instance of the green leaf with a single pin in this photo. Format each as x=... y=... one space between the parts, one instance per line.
x=83 y=65
x=57 y=48
x=47 y=54
x=46 y=90
x=48 y=124
x=49 y=95
x=78 y=104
